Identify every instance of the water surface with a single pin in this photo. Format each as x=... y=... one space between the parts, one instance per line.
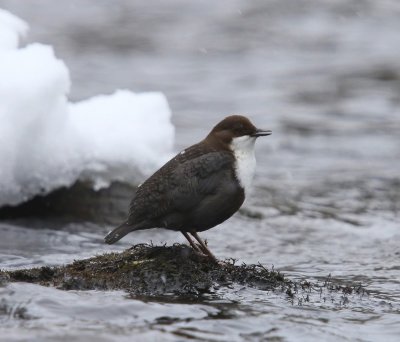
x=324 y=77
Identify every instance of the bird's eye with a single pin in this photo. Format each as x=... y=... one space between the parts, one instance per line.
x=239 y=127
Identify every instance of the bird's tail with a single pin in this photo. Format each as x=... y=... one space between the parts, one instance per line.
x=118 y=233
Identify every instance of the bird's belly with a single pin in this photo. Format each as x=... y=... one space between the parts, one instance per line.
x=216 y=209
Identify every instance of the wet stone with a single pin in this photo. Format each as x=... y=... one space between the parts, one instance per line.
x=170 y=270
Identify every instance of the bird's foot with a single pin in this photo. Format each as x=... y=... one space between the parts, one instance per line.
x=204 y=255
x=200 y=254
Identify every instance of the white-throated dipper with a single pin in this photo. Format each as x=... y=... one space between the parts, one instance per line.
x=199 y=188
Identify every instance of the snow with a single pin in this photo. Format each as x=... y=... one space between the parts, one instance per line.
x=136 y=125
x=47 y=142
x=11 y=29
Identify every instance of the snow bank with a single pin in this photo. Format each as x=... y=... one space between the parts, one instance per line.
x=11 y=28
x=124 y=135
x=46 y=142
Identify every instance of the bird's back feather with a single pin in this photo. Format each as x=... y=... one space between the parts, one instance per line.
x=184 y=189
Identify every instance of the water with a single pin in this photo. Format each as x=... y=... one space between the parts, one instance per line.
x=324 y=77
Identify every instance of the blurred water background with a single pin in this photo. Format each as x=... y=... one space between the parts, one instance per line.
x=324 y=76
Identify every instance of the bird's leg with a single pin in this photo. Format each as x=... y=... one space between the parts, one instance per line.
x=192 y=243
x=203 y=246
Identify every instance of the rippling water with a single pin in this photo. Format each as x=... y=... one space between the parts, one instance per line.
x=325 y=77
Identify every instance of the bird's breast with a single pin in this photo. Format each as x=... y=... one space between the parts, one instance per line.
x=245 y=161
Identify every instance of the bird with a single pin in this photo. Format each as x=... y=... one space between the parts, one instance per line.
x=198 y=189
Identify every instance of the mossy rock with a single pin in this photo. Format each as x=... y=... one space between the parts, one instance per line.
x=167 y=270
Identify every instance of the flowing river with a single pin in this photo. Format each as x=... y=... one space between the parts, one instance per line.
x=324 y=76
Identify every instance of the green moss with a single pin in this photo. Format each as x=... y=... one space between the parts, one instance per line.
x=160 y=270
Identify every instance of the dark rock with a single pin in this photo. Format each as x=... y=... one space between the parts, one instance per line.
x=146 y=270
x=150 y=270
x=77 y=203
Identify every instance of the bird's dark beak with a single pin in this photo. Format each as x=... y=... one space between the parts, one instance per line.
x=261 y=133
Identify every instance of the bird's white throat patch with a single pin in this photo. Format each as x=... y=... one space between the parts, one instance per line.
x=245 y=166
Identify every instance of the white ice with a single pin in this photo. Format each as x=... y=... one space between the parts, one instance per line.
x=47 y=142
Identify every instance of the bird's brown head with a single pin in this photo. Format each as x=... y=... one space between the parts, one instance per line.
x=233 y=127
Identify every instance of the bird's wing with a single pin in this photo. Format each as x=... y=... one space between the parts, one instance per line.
x=192 y=181
x=180 y=185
